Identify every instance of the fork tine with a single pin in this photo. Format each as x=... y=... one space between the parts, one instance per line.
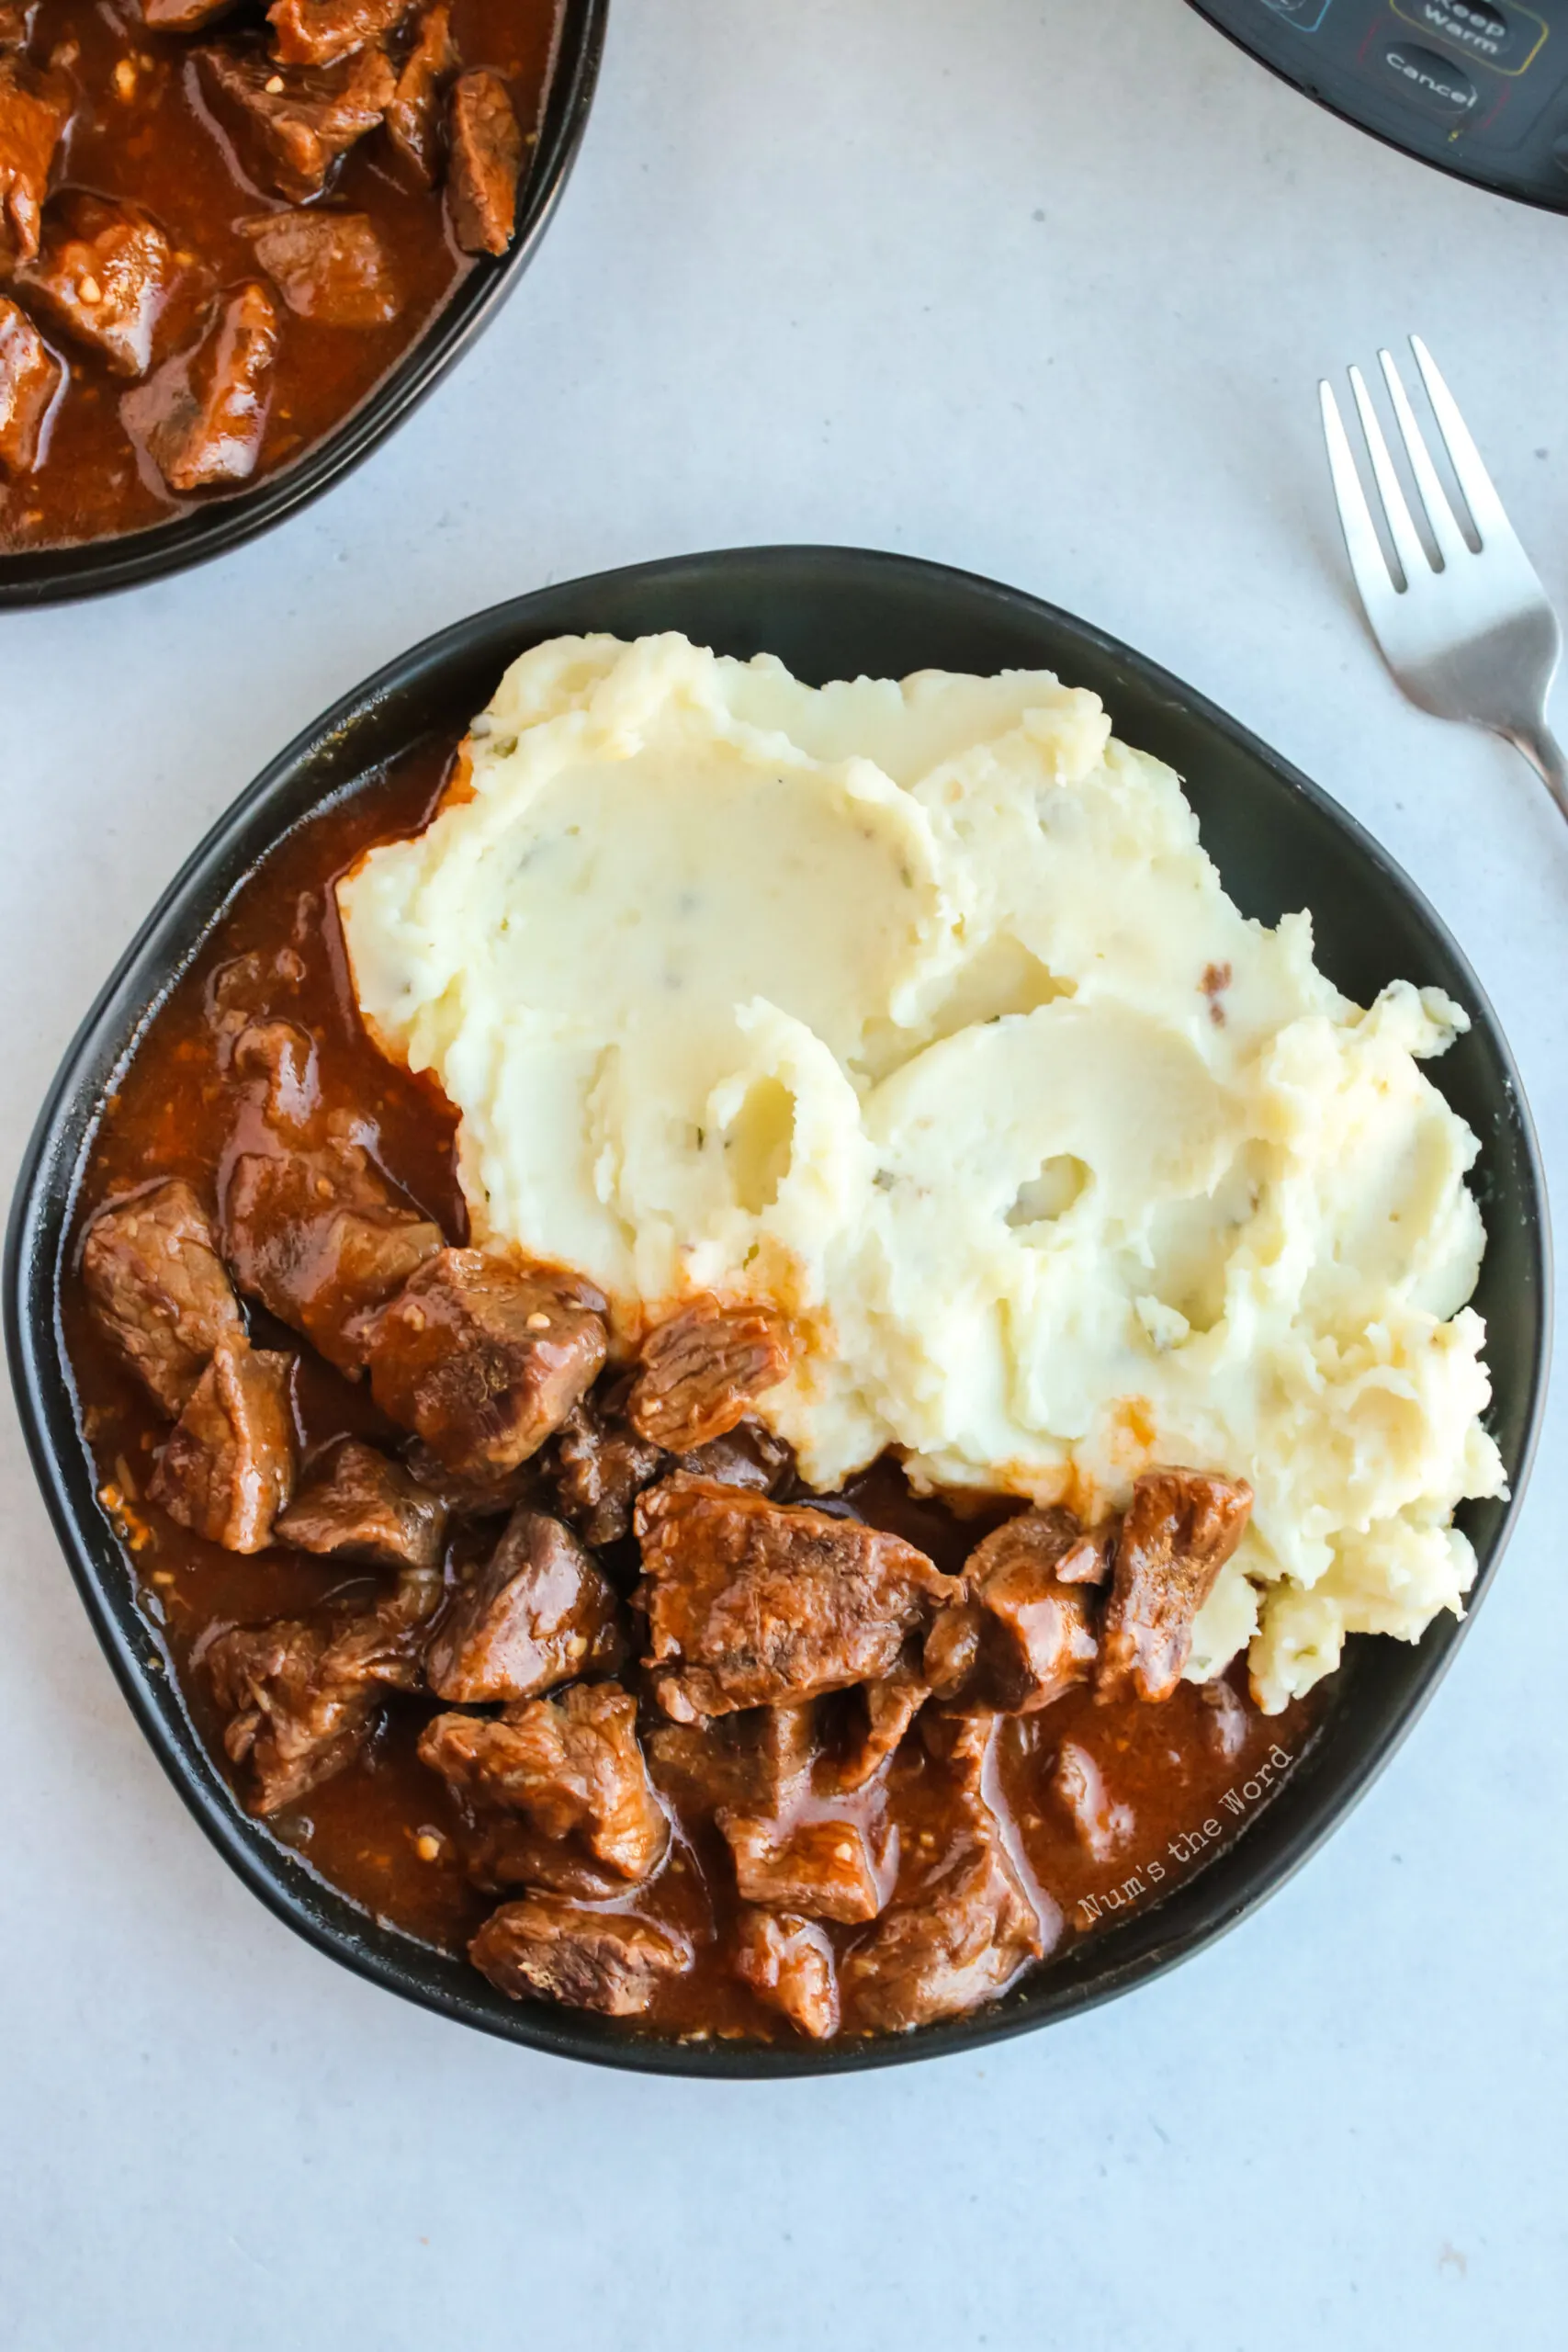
x=1451 y=542
x=1480 y=495
x=1368 y=562
x=1407 y=544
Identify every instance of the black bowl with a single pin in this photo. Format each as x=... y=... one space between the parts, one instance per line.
x=1279 y=844
x=53 y=575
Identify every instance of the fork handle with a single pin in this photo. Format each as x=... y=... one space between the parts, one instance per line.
x=1545 y=754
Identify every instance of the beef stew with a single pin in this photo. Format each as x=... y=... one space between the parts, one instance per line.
x=219 y=230
x=654 y=1732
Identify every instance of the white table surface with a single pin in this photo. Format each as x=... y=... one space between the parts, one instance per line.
x=1043 y=291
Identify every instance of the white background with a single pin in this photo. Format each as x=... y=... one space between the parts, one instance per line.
x=1044 y=292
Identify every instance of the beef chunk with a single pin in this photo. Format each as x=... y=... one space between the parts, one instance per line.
x=30 y=379
x=203 y=416
x=1180 y=1529
x=159 y=1289
x=292 y=137
x=747 y=1456
x=413 y=117
x=227 y=1467
x=1079 y=1789
x=331 y=267
x=319 y=1238
x=303 y=1697
x=356 y=1505
x=182 y=16
x=571 y=1765
x=822 y=1869
x=284 y=1057
x=538 y=1613
x=317 y=33
x=475 y=1497
x=483 y=1359
x=959 y=1939
x=1023 y=1637
x=701 y=1370
x=486 y=161
x=103 y=273
x=789 y=1963
x=16 y=23
x=891 y=1706
x=758 y=1762
x=599 y=1469
x=749 y=1601
x=548 y=1947
x=34 y=110
x=1088 y=1557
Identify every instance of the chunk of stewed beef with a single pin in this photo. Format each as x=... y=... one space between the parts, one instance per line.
x=599 y=1468
x=550 y=1949
x=702 y=1369
x=788 y=1963
x=571 y=1765
x=751 y=1602
x=283 y=1056
x=891 y=1706
x=228 y=1467
x=354 y=1504
x=485 y=162
x=1180 y=1529
x=304 y=1696
x=1103 y=1826
x=330 y=266
x=182 y=16
x=1022 y=1637
x=483 y=1359
x=413 y=115
x=958 y=1937
x=16 y=23
x=747 y=1456
x=825 y=1869
x=34 y=108
x=537 y=1613
x=30 y=379
x=474 y=1498
x=291 y=123
x=103 y=275
x=159 y=1289
x=202 y=416
x=317 y=33
x=758 y=1762
x=318 y=1237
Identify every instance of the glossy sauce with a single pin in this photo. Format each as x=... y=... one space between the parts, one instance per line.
x=370 y=1830
x=163 y=149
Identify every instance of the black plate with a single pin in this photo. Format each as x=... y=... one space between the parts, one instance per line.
x=53 y=575
x=1279 y=844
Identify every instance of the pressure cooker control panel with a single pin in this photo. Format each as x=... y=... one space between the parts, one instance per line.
x=1479 y=87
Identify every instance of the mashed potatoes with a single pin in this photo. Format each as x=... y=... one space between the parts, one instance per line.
x=918 y=1009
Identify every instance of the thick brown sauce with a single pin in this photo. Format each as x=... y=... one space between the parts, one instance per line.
x=172 y=1115
x=164 y=150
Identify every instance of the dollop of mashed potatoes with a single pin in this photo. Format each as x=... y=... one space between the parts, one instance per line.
x=918 y=1009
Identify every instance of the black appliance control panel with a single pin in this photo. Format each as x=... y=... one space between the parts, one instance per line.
x=1479 y=87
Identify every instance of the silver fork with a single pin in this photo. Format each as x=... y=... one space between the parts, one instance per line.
x=1474 y=637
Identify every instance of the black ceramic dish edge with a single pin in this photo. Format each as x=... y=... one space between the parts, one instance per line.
x=1276 y=1844
x=97 y=566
